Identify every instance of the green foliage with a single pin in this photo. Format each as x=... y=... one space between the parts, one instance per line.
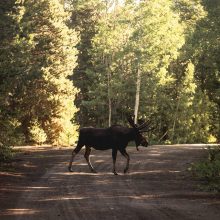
x=6 y=153
x=214 y=153
x=10 y=133
x=158 y=39
x=206 y=57
x=209 y=170
x=37 y=133
x=37 y=62
x=156 y=25
x=174 y=45
x=84 y=19
x=190 y=11
x=118 y=53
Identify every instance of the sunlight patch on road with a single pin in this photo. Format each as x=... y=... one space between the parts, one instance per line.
x=27 y=165
x=155 y=171
x=83 y=173
x=149 y=171
x=63 y=198
x=19 y=212
x=154 y=154
x=39 y=187
x=99 y=161
x=73 y=198
x=80 y=164
x=11 y=174
x=174 y=171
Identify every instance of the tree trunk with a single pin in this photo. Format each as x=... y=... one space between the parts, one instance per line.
x=175 y=118
x=137 y=96
x=109 y=100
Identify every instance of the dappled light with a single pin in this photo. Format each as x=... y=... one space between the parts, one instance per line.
x=63 y=198
x=109 y=109
x=17 y=212
x=11 y=174
x=152 y=184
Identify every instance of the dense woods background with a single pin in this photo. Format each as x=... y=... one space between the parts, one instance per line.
x=72 y=63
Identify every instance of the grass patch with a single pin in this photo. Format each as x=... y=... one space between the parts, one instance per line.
x=208 y=170
x=6 y=153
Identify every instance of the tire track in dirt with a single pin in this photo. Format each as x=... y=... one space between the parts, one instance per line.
x=157 y=187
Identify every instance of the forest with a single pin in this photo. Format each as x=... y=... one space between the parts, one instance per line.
x=74 y=63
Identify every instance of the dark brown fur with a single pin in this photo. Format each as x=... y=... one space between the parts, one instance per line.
x=115 y=137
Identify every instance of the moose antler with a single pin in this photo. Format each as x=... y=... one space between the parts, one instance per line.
x=130 y=119
x=147 y=129
x=144 y=125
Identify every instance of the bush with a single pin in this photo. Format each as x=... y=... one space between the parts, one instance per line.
x=6 y=153
x=209 y=169
x=10 y=132
x=37 y=133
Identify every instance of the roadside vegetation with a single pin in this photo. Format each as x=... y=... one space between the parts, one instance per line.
x=6 y=153
x=208 y=170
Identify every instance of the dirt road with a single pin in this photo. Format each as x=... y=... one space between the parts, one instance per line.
x=158 y=187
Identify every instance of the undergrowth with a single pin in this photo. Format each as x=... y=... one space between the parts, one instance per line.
x=208 y=170
x=6 y=153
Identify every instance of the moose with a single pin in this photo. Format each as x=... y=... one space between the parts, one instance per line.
x=115 y=137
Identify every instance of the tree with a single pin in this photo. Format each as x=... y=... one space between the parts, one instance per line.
x=43 y=57
x=85 y=15
x=155 y=41
x=51 y=57
x=144 y=53
x=185 y=96
x=108 y=45
x=207 y=61
x=120 y=54
x=9 y=132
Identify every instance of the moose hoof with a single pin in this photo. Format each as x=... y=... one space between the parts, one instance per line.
x=125 y=171
x=70 y=169
x=93 y=171
x=115 y=173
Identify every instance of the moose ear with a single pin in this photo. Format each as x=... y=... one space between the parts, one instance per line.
x=130 y=119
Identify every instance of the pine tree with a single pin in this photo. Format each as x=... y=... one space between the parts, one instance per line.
x=9 y=132
x=84 y=19
x=47 y=57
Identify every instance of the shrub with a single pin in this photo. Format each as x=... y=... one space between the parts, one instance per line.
x=37 y=133
x=209 y=169
x=6 y=153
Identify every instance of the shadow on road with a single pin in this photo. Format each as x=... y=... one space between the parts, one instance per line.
x=157 y=187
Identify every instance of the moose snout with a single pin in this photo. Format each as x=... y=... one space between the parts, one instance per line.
x=144 y=143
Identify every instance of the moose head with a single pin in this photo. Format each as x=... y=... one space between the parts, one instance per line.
x=139 y=129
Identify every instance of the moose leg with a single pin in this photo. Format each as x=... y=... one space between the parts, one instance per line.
x=86 y=155
x=114 y=156
x=75 y=151
x=126 y=155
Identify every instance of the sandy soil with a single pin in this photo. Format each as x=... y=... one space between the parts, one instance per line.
x=38 y=186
